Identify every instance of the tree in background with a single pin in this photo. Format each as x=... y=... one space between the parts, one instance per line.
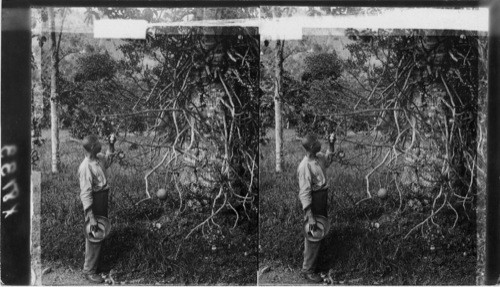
x=274 y=13
x=278 y=96
x=55 y=39
x=39 y=24
x=291 y=86
x=322 y=93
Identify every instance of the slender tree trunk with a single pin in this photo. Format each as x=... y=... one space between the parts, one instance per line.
x=37 y=93
x=278 y=94
x=54 y=101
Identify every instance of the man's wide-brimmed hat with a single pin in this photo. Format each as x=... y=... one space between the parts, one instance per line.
x=100 y=232
x=322 y=229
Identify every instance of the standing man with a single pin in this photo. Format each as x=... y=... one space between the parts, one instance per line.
x=313 y=196
x=94 y=192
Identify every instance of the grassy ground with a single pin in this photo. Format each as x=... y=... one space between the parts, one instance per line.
x=146 y=245
x=356 y=251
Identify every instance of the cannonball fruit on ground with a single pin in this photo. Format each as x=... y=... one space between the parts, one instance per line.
x=382 y=193
x=161 y=194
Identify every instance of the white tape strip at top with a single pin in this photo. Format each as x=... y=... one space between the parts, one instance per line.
x=120 y=28
x=292 y=28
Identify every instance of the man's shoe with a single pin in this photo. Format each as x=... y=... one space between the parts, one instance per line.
x=94 y=278
x=312 y=277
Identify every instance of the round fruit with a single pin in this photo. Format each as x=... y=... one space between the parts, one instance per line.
x=121 y=154
x=382 y=193
x=161 y=194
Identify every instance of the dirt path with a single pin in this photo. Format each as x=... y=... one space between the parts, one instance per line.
x=60 y=275
x=277 y=274
x=269 y=275
x=57 y=274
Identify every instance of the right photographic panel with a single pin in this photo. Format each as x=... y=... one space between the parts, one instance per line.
x=373 y=146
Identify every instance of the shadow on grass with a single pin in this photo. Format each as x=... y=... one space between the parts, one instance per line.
x=337 y=246
x=120 y=242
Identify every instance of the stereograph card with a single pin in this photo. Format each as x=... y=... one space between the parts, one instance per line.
x=249 y=143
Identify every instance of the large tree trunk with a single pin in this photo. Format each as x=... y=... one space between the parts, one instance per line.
x=54 y=101
x=278 y=94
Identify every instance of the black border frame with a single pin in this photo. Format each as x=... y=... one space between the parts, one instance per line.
x=15 y=132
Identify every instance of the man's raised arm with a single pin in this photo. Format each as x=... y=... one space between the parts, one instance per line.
x=329 y=155
x=110 y=153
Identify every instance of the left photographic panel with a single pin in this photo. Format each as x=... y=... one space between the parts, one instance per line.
x=145 y=130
